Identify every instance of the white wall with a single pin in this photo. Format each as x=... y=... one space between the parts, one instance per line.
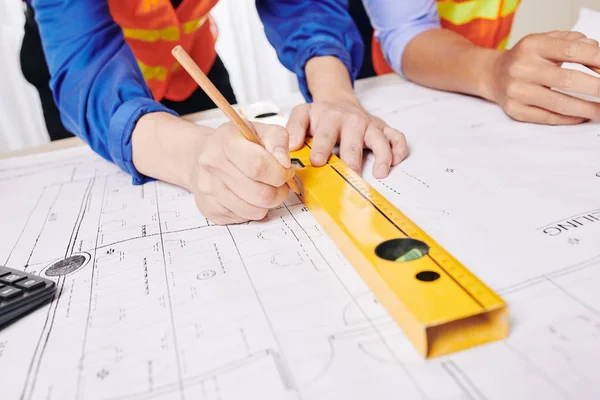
x=254 y=69
x=548 y=15
x=21 y=121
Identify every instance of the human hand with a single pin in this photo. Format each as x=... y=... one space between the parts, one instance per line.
x=521 y=79
x=347 y=123
x=234 y=180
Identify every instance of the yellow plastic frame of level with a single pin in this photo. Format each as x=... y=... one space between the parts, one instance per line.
x=452 y=313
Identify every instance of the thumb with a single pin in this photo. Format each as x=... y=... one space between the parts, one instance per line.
x=276 y=140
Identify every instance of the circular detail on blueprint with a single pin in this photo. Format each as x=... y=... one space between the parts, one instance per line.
x=204 y=275
x=68 y=265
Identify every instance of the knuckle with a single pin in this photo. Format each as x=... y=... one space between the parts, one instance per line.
x=258 y=214
x=356 y=120
x=573 y=49
x=559 y=106
x=258 y=168
x=512 y=89
x=595 y=112
x=551 y=119
x=512 y=108
x=267 y=196
x=208 y=162
x=516 y=70
x=353 y=150
x=334 y=113
x=565 y=79
x=529 y=43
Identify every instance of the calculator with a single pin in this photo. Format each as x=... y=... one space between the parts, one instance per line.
x=21 y=293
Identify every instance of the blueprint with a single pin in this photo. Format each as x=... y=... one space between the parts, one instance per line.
x=155 y=302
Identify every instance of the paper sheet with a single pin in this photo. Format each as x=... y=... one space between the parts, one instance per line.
x=157 y=303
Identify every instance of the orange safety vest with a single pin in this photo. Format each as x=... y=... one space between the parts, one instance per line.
x=487 y=23
x=153 y=27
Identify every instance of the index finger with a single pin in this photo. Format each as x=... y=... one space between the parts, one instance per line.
x=256 y=162
x=573 y=51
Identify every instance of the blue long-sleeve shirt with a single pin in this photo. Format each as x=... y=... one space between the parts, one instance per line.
x=101 y=93
x=398 y=22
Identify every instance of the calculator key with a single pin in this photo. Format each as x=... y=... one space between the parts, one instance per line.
x=8 y=293
x=4 y=271
x=30 y=284
x=12 y=278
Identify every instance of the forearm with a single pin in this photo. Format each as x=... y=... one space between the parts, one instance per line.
x=164 y=147
x=328 y=80
x=95 y=79
x=301 y=31
x=444 y=60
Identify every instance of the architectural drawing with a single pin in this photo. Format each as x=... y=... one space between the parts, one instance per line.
x=155 y=302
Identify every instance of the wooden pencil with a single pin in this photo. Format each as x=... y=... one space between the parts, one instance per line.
x=596 y=70
x=207 y=86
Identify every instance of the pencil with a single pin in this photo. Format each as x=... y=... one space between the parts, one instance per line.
x=207 y=86
x=596 y=70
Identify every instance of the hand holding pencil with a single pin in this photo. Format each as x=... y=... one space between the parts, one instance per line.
x=202 y=80
x=242 y=169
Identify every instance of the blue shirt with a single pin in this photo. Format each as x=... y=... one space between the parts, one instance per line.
x=101 y=93
x=397 y=22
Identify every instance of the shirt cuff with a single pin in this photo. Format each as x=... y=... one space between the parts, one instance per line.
x=320 y=46
x=120 y=131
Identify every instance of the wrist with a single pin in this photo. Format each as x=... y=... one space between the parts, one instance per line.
x=487 y=82
x=328 y=80
x=165 y=147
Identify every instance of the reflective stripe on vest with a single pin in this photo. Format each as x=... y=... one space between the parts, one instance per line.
x=487 y=23
x=153 y=27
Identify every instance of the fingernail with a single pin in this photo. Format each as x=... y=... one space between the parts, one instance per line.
x=294 y=142
x=354 y=168
x=283 y=156
x=318 y=158
x=381 y=170
x=589 y=41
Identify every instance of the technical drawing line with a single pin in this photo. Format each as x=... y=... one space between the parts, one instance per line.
x=309 y=238
x=567 y=218
x=415 y=178
x=162 y=245
x=200 y=378
x=39 y=351
x=529 y=361
x=103 y=246
x=299 y=242
x=402 y=366
x=44 y=224
x=80 y=216
x=35 y=352
x=294 y=385
x=575 y=298
x=25 y=226
x=89 y=311
x=52 y=310
x=36 y=172
x=389 y=187
x=462 y=381
x=591 y=262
